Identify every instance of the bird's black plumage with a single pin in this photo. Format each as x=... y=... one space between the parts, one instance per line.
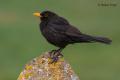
x=59 y=32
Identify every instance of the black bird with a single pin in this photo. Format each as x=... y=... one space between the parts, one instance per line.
x=59 y=32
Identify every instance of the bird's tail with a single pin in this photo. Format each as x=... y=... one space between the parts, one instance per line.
x=102 y=40
x=88 y=38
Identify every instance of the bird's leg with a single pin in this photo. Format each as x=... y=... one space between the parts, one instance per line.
x=51 y=53
x=55 y=52
x=56 y=55
x=58 y=52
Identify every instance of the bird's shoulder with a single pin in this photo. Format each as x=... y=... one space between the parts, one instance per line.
x=58 y=24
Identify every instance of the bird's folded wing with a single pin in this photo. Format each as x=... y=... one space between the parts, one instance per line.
x=73 y=31
x=62 y=26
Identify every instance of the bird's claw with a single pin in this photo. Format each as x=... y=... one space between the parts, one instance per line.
x=55 y=55
x=52 y=53
x=54 y=60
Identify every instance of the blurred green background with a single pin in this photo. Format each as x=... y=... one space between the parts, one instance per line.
x=21 y=41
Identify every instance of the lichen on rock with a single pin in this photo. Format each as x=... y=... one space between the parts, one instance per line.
x=41 y=69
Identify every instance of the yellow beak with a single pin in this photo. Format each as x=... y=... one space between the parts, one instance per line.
x=37 y=14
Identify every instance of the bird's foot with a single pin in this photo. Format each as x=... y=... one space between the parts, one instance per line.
x=51 y=53
x=55 y=55
x=54 y=60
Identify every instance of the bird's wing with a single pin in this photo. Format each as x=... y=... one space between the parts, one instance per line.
x=61 y=25
x=73 y=31
x=76 y=36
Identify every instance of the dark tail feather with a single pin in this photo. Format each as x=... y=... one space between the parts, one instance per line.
x=102 y=40
x=88 y=38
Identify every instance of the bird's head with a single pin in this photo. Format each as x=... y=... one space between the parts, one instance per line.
x=45 y=15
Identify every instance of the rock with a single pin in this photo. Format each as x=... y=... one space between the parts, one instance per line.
x=41 y=69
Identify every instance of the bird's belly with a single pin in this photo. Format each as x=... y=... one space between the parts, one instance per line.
x=55 y=39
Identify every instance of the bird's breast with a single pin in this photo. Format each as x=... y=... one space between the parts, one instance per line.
x=54 y=38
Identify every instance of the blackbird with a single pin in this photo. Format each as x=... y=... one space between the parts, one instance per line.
x=59 y=32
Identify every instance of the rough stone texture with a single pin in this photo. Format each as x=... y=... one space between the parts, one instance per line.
x=41 y=69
